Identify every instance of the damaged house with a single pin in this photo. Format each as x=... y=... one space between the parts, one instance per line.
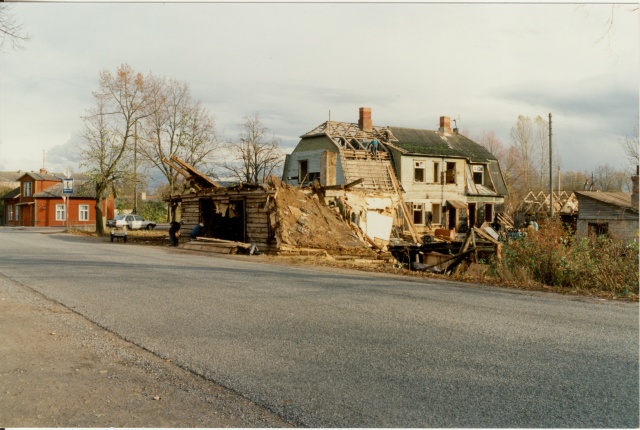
x=273 y=217
x=442 y=178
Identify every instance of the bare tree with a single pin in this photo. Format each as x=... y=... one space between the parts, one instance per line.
x=178 y=125
x=630 y=146
x=492 y=142
x=121 y=102
x=522 y=139
x=10 y=29
x=255 y=155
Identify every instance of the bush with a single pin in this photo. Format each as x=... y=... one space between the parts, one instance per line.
x=552 y=257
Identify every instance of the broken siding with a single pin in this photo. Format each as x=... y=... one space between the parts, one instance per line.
x=256 y=216
x=311 y=149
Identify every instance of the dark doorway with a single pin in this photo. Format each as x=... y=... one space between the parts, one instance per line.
x=223 y=220
x=472 y=215
x=452 y=218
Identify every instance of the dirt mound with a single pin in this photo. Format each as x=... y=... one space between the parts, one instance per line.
x=304 y=221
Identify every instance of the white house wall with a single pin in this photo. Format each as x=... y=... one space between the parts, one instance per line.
x=311 y=150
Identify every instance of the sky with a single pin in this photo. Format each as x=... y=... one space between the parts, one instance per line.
x=297 y=64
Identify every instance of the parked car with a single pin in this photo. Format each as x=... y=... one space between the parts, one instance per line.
x=133 y=222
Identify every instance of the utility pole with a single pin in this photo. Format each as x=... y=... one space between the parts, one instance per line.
x=135 y=168
x=550 y=171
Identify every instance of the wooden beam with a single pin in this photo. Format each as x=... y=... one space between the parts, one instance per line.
x=409 y=221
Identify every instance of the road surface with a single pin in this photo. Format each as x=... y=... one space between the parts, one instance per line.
x=336 y=348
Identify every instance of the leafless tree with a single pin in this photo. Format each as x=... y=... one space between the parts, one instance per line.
x=630 y=146
x=121 y=102
x=178 y=125
x=492 y=142
x=522 y=140
x=255 y=155
x=11 y=31
x=607 y=178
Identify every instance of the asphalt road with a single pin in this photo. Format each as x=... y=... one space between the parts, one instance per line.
x=334 y=348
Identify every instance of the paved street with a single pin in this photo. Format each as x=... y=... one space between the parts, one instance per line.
x=335 y=348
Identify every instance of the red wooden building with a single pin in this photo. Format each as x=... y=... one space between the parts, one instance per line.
x=39 y=201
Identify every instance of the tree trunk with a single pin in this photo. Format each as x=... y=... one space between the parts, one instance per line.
x=99 y=216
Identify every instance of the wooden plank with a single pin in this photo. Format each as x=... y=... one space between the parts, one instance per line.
x=409 y=221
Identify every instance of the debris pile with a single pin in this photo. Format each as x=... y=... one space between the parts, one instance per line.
x=303 y=221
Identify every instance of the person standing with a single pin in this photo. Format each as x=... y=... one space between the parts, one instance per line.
x=174 y=233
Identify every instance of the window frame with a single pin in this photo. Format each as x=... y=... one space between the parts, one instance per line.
x=83 y=210
x=27 y=189
x=419 y=165
x=61 y=212
x=418 y=208
x=303 y=173
x=477 y=170
x=450 y=178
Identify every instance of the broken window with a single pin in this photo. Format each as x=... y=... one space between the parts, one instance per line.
x=418 y=171
x=303 y=171
x=418 y=213
x=598 y=228
x=478 y=174
x=451 y=173
x=436 y=173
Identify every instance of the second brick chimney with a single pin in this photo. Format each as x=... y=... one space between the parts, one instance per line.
x=365 y=122
x=445 y=125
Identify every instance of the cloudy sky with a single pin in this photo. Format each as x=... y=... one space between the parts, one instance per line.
x=294 y=63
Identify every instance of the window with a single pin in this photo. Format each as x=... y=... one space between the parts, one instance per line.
x=9 y=212
x=83 y=212
x=478 y=174
x=303 y=171
x=436 y=173
x=61 y=213
x=27 y=190
x=598 y=228
x=17 y=213
x=418 y=171
x=418 y=213
x=451 y=173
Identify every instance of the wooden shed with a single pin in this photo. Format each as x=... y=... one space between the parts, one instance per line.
x=605 y=213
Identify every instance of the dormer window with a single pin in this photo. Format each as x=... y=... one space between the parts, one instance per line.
x=478 y=174
x=27 y=190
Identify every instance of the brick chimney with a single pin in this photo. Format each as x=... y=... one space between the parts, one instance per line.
x=365 y=122
x=445 y=125
x=43 y=171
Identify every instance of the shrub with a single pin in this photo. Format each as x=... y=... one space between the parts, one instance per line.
x=552 y=257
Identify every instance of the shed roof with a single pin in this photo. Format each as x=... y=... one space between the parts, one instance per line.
x=11 y=194
x=622 y=200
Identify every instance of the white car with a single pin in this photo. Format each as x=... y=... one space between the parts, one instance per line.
x=133 y=222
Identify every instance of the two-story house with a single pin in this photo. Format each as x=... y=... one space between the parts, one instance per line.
x=448 y=180
x=39 y=201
